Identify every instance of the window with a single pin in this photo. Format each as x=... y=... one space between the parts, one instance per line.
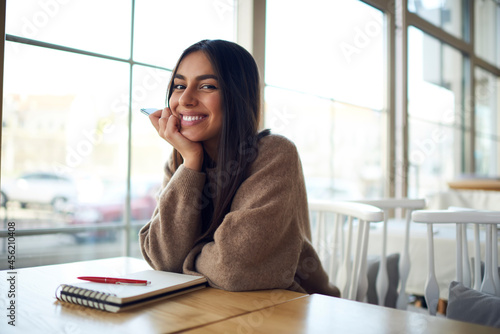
x=487 y=30
x=449 y=15
x=435 y=113
x=332 y=70
x=326 y=82
x=80 y=164
x=487 y=134
x=449 y=135
x=325 y=90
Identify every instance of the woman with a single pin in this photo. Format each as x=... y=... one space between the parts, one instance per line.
x=233 y=205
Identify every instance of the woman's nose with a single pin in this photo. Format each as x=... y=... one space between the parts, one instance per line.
x=188 y=98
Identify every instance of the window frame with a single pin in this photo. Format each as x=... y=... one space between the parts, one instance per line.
x=126 y=227
x=474 y=61
x=251 y=34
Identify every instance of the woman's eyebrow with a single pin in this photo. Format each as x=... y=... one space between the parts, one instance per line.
x=199 y=77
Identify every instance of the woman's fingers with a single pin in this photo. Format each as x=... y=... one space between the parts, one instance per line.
x=172 y=128
x=155 y=118
x=166 y=112
x=169 y=128
x=191 y=152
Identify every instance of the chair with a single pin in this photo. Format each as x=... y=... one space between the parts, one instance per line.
x=490 y=284
x=352 y=278
x=382 y=283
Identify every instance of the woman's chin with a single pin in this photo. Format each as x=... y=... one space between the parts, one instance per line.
x=190 y=135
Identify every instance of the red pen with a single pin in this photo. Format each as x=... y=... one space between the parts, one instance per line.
x=111 y=280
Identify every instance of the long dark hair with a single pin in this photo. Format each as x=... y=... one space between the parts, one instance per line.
x=239 y=84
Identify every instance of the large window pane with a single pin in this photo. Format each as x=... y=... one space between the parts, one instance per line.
x=446 y=14
x=325 y=91
x=487 y=142
x=93 y=25
x=436 y=113
x=149 y=151
x=163 y=29
x=486 y=155
x=341 y=145
x=431 y=156
x=487 y=30
x=435 y=80
x=64 y=146
x=66 y=135
x=335 y=50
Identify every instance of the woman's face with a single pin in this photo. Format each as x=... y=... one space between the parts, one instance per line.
x=196 y=100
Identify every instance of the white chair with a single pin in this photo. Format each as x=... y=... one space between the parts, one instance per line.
x=351 y=278
x=489 y=220
x=382 y=283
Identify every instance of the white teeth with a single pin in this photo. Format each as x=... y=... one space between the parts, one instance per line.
x=191 y=118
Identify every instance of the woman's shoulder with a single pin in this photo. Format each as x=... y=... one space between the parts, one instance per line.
x=276 y=141
x=277 y=161
x=275 y=146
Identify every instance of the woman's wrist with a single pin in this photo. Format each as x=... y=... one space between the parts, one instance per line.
x=194 y=162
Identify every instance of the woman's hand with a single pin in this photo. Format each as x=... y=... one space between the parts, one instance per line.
x=168 y=127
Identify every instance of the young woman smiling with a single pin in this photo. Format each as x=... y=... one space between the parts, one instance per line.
x=233 y=204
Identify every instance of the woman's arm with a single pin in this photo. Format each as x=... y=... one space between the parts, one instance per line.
x=259 y=242
x=176 y=223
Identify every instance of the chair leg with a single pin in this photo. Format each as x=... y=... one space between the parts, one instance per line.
x=382 y=283
x=343 y=277
x=404 y=266
x=467 y=280
x=488 y=285
x=477 y=260
x=496 y=278
x=363 y=269
x=431 y=286
x=353 y=291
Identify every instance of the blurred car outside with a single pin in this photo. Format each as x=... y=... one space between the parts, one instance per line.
x=111 y=206
x=40 y=188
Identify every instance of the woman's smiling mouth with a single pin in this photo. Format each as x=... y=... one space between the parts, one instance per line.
x=191 y=119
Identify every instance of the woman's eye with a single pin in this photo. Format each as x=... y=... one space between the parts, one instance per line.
x=207 y=86
x=179 y=87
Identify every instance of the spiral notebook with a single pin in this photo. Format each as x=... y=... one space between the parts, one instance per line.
x=116 y=298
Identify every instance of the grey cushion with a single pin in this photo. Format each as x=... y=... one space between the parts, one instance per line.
x=393 y=273
x=469 y=305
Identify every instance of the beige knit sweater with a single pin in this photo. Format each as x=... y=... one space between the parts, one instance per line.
x=262 y=243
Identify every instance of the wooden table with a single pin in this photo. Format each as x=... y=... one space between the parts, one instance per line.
x=475 y=184
x=317 y=314
x=37 y=310
x=204 y=311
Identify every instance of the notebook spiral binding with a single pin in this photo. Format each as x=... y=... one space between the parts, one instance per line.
x=81 y=296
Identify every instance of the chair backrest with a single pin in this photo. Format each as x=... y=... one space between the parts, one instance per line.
x=461 y=217
x=350 y=273
x=382 y=283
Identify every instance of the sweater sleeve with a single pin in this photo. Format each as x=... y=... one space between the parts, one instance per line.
x=176 y=222
x=258 y=244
